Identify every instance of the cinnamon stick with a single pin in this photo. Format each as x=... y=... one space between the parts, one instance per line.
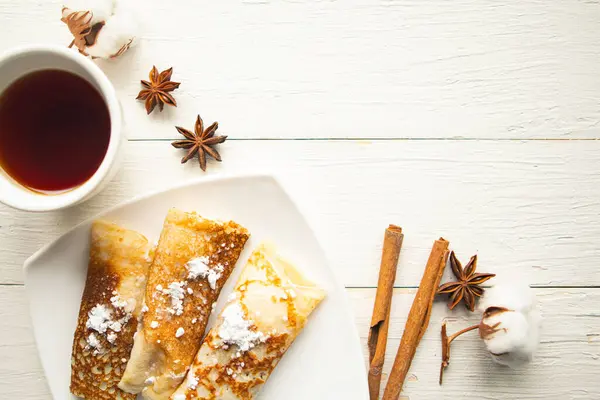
x=418 y=318
x=378 y=332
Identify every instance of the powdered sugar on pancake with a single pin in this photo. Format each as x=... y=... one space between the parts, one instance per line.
x=101 y=319
x=236 y=330
x=199 y=267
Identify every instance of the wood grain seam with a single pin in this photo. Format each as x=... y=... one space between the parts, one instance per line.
x=11 y=284
x=381 y=139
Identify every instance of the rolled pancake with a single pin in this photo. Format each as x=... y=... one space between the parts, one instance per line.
x=193 y=259
x=109 y=311
x=267 y=310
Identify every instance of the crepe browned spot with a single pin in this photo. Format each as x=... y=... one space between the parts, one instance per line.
x=109 y=311
x=194 y=258
x=268 y=309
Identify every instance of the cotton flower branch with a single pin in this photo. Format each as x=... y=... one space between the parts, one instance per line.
x=446 y=340
x=509 y=327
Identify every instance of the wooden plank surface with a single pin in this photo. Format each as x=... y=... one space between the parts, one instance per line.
x=530 y=209
x=356 y=68
x=570 y=344
x=463 y=109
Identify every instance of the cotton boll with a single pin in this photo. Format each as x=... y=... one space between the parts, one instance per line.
x=514 y=296
x=101 y=10
x=127 y=6
x=507 y=338
x=113 y=26
x=118 y=31
x=510 y=327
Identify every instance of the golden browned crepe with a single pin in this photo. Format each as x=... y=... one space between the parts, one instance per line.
x=109 y=311
x=194 y=258
x=267 y=310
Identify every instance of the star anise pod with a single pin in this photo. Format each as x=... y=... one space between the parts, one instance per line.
x=200 y=142
x=156 y=91
x=467 y=286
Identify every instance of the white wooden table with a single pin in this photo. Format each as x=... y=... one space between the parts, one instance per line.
x=476 y=120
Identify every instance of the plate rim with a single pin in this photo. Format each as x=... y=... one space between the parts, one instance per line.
x=151 y=193
x=192 y=182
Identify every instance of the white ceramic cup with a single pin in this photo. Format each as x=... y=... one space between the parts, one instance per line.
x=21 y=61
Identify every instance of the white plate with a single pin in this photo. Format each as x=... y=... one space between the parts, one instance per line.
x=324 y=363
